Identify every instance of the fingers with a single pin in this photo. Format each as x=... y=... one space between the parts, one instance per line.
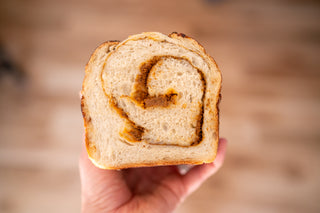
x=220 y=153
x=103 y=189
x=198 y=174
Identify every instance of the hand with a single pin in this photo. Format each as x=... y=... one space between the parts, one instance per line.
x=149 y=189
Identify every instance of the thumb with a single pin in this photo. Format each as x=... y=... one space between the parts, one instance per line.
x=198 y=174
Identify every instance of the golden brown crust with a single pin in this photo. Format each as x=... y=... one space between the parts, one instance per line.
x=159 y=163
x=87 y=120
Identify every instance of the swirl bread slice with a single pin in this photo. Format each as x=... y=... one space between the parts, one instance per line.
x=151 y=100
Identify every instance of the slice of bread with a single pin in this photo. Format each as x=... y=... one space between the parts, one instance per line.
x=151 y=100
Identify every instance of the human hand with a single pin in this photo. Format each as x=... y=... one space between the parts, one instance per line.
x=149 y=189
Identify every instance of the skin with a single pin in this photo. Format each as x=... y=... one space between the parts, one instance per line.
x=149 y=189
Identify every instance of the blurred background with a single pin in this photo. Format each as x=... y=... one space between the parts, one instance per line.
x=268 y=52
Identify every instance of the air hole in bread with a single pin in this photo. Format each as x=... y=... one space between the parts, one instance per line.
x=194 y=60
x=88 y=119
x=125 y=88
x=123 y=103
x=164 y=126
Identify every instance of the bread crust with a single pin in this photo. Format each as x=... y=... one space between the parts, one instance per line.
x=160 y=163
x=90 y=130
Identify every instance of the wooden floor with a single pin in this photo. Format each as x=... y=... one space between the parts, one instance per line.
x=268 y=52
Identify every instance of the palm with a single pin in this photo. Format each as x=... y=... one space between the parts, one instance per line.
x=154 y=185
x=150 y=189
x=142 y=181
